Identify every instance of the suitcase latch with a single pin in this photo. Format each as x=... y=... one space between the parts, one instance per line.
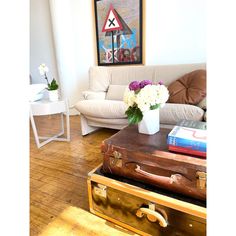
x=101 y=190
x=116 y=159
x=201 y=179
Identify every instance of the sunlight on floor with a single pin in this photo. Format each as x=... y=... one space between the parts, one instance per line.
x=74 y=221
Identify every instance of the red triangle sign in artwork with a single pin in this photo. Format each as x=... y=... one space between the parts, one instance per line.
x=112 y=21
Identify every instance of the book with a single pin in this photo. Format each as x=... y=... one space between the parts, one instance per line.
x=192 y=124
x=186 y=151
x=187 y=140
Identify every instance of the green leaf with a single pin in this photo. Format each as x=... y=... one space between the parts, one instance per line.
x=134 y=115
x=154 y=107
x=53 y=85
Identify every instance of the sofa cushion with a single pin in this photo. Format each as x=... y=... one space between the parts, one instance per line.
x=99 y=78
x=173 y=113
x=91 y=95
x=102 y=108
x=109 y=109
x=188 y=89
x=116 y=92
x=123 y=121
x=166 y=73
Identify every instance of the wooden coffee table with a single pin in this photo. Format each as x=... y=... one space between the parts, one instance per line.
x=130 y=137
x=132 y=140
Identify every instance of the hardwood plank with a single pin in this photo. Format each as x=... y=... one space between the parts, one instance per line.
x=42 y=197
x=58 y=171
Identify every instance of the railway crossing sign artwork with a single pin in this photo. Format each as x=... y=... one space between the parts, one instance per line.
x=112 y=21
x=118 y=31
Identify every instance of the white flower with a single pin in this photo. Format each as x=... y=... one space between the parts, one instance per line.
x=129 y=97
x=43 y=69
x=163 y=93
x=146 y=98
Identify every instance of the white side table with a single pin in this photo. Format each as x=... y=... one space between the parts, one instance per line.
x=45 y=107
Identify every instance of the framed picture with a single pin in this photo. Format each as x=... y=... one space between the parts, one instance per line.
x=118 y=32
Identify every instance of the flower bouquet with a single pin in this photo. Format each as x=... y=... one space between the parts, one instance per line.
x=142 y=97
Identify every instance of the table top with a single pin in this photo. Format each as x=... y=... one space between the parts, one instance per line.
x=46 y=107
x=130 y=139
x=46 y=101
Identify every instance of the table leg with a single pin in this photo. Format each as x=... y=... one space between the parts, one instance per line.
x=34 y=129
x=67 y=121
x=62 y=124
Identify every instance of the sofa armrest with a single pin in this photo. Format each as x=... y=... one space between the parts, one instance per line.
x=91 y=95
x=203 y=105
x=205 y=116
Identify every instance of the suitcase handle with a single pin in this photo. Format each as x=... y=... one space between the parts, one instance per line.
x=152 y=215
x=176 y=178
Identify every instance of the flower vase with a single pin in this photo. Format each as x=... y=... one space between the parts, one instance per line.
x=53 y=95
x=150 y=124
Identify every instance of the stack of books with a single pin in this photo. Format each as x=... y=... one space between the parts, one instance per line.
x=188 y=137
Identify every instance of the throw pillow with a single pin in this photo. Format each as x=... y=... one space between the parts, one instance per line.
x=116 y=92
x=188 y=89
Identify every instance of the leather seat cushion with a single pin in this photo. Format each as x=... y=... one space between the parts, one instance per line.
x=188 y=89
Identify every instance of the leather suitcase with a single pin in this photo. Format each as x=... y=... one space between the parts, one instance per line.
x=143 y=208
x=146 y=158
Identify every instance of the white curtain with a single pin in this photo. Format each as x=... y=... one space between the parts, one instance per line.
x=72 y=24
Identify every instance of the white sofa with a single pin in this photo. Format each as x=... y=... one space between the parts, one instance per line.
x=103 y=104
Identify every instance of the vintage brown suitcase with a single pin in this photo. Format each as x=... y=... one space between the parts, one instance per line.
x=143 y=208
x=146 y=158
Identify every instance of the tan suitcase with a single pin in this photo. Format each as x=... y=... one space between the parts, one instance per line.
x=144 y=209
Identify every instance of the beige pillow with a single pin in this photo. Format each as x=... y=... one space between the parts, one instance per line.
x=99 y=78
x=116 y=92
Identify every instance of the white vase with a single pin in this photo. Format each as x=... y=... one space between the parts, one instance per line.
x=53 y=95
x=150 y=124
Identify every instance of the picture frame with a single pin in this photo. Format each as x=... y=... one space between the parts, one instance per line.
x=119 y=32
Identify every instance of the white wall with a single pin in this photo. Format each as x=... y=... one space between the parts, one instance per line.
x=175 y=34
x=41 y=41
x=175 y=31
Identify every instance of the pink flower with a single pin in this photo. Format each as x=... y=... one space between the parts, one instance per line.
x=144 y=83
x=134 y=85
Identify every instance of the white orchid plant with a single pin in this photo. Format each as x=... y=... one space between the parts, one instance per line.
x=144 y=96
x=43 y=69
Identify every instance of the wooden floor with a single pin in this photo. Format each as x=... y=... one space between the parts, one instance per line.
x=58 y=171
